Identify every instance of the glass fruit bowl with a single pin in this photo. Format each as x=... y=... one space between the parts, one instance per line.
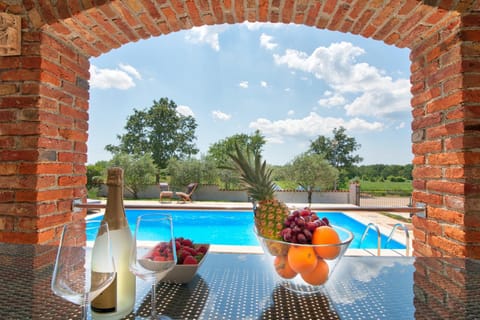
x=305 y=268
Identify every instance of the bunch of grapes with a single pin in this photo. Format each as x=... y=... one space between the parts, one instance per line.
x=300 y=225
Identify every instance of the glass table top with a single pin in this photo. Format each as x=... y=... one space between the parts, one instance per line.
x=240 y=286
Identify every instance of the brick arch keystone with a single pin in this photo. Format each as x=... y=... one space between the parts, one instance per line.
x=44 y=96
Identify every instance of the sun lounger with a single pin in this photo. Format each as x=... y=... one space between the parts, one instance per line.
x=185 y=196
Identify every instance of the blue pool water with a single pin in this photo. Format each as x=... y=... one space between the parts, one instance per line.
x=236 y=227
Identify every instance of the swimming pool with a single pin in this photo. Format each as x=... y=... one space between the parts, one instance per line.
x=236 y=227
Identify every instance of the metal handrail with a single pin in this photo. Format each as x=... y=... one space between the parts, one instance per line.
x=77 y=204
x=407 y=236
x=419 y=210
x=379 y=240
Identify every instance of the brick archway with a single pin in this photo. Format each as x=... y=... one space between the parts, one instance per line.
x=44 y=99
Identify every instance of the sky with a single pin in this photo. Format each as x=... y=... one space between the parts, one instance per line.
x=291 y=82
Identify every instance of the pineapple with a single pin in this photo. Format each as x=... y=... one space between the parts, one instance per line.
x=256 y=178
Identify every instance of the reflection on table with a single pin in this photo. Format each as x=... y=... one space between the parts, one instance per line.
x=239 y=286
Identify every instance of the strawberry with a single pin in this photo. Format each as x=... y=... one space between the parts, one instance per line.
x=187 y=252
x=190 y=250
x=187 y=243
x=190 y=260
x=183 y=254
x=202 y=249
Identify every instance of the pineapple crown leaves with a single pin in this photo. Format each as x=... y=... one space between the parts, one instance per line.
x=255 y=176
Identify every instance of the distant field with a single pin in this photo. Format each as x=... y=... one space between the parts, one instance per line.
x=380 y=187
x=376 y=187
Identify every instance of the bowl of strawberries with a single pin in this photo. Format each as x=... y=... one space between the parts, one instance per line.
x=307 y=252
x=190 y=257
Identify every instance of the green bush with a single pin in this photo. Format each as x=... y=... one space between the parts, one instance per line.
x=396 y=179
x=92 y=193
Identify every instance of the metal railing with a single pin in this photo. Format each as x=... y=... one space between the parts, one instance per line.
x=379 y=236
x=418 y=210
x=407 y=236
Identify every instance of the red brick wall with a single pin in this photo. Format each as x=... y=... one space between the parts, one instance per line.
x=443 y=289
x=44 y=99
x=445 y=73
x=43 y=135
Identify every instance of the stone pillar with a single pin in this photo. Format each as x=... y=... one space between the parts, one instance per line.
x=354 y=194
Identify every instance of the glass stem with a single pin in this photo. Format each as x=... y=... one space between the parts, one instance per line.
x=85 y=307
x=154 y=301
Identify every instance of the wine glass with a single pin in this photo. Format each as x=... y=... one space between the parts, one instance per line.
x=83 y=269
x=153 y=252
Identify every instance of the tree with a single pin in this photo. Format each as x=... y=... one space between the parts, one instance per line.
x=183 y=172
x=159 y=131
x=218 y=153
x=376 y=172
x=138 y=171
x=338 y=151
x=312 y=171
x=95 y=174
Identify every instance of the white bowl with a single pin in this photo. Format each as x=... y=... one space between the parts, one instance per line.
x=183 y=273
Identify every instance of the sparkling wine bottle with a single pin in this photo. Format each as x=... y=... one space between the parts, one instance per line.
x=118 y=299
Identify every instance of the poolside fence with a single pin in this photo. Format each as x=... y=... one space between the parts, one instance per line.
x=353 y=196
x=214 y=193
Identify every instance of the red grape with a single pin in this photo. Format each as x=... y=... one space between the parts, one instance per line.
x=300 y=225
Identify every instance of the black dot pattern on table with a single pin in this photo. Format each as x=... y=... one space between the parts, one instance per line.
x=236 y=286
x=234 y=291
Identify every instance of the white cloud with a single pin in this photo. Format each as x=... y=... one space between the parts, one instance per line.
x=243 y=84
x=185 y=111
x=291 y=112
x=337 y=65
x=219 y=115
x=401 y=125
x=205 y=34
x=263 y=84
x=266 y=42
x=261 y=25
x=391 y=99
x=310 y=126
x=334 y=64
x=131 y=70
x=331 y=100
x=113 y=78
x=274 y=139
x=253 y=25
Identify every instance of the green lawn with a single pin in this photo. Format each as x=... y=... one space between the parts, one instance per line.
x=366 y=186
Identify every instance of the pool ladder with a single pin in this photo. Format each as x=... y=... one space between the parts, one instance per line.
x=379 y=241
x=379 y=236
x=407 y=236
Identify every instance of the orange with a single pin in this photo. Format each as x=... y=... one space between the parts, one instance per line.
x=317 y=276
x=283 y=268
x=326 y=235
x=302 y=258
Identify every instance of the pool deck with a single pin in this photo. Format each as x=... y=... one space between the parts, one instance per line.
x=384 y=223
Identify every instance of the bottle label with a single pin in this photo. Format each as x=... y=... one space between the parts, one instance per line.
x=106 y=301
